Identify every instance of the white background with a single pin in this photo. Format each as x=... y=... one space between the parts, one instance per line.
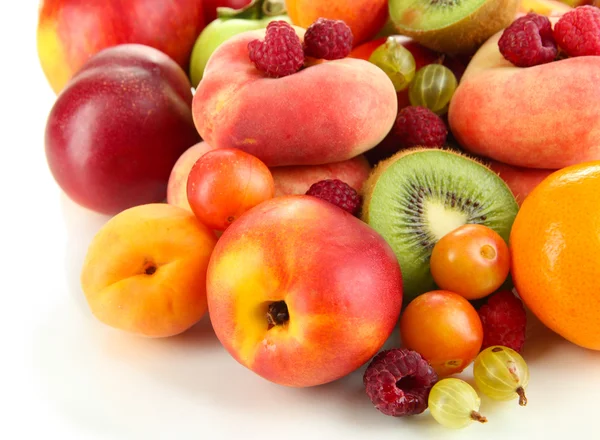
x=65 y=374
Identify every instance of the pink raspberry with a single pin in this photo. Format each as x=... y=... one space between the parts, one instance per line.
x=578 y=31
x=398 y=382
x=419 y=127
x=504 y=321
x=280 y=54
x=528 y=41
x=328 y=39
x=338 y=193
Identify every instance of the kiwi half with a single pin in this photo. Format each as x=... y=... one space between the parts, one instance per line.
x=452 y=26
x=419 y=195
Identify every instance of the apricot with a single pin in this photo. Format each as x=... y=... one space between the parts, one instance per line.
x=145 y=270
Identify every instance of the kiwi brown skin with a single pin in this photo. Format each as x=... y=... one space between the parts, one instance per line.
x=467 y=35
x=369 y=188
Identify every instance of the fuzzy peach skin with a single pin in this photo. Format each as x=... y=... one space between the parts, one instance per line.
x=288 y=180
x=521 y=181
x=328 y=112
x=145 y=270
x=546 y=116
x=339 y=279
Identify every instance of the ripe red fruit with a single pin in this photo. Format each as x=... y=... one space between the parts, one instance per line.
x=398 y=382
x=328 y=39
x=504 y=321
x=419 y=127
x=528 y=41
x=337 y=192
x=280 y=54
x=578 y=31
x=225 y=183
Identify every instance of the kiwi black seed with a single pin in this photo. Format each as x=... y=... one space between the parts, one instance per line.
x=452 y=26
x=417 y=196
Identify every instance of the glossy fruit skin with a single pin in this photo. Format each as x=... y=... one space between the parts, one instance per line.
x=554 y=239
x=473 y=261
x=501 y=374
x=225 y=183
x=396 y=61
x=69 y=32
x=444 y=328
x=452 y=402
x=433 y=87
x=116 y=130
x=215 y=34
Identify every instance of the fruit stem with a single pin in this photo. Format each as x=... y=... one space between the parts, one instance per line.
x=478 y=417
x=277 y=314
x=522 y=397
x=255 y=10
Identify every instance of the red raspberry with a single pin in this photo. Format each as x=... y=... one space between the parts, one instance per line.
x=528 y=41
x=280 y=54
x=504 y=321
x=419 y=127
x=328 y=39
x=578 y=31
x=337 y=192
x=398 y=382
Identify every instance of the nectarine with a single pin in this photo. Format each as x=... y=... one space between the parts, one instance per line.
x=302 y=292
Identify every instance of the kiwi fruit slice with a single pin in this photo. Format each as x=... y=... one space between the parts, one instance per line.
x=419 y=195
x=452 y=26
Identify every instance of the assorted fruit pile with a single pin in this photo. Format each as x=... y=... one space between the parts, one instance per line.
x=316 y=175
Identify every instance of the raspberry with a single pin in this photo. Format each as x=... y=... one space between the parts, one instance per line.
x=528 y=41
x=578 y=31
x=504 y=321
x=337 y=192
x=328 y=39
x=280 y=54
x=419 y=127
x=398 y=382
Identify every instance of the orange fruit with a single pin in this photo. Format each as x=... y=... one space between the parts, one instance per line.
x=365 y=17
x=555 y=243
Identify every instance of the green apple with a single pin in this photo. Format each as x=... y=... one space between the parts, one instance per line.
x=257 y=15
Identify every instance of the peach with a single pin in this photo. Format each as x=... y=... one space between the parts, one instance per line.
x=328 y=112
x=365 y=17
x=297 y=180
x=145 y=270
x=288 y=180
x=521 y=181
x=301 y=292
x=545 y=116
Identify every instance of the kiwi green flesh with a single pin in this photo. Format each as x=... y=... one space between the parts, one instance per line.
x=428 y=15
x=422 y=196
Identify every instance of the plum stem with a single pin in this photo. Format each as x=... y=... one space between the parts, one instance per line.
x=522 y=397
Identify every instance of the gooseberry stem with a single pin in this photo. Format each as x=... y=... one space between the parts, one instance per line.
x=478 y=417
x=522 y=397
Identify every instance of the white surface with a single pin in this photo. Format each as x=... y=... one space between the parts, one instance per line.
x=65 y=374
